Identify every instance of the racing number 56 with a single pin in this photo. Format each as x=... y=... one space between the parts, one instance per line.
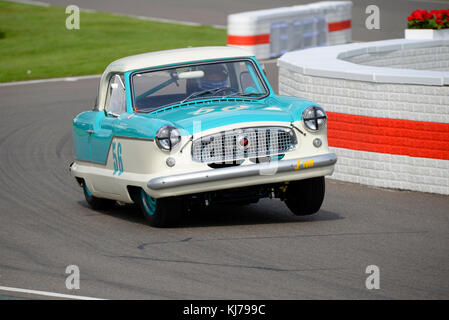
x=117 y=158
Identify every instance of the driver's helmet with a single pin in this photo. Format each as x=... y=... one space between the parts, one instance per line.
x=215 y=76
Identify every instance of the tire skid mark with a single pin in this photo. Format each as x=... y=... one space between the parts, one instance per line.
x=23 y=170
x=238 y=266
x=62 y=143
x=144 y=245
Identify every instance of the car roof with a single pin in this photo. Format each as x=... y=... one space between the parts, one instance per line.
x=162 y=58
x=168 y=57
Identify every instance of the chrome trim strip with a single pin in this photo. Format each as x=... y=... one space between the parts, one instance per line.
x=240 y=171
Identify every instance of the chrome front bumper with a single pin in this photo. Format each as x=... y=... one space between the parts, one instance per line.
x=301 y=164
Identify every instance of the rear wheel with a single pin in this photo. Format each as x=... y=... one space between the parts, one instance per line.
x=162 y=212
x=305 y=197
x=94 y=202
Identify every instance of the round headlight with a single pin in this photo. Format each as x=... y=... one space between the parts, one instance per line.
x=167 y=137
x=314 y=118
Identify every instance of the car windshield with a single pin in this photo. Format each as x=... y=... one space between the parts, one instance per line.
x=155 y=89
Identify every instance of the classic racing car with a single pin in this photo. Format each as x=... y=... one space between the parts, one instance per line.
x=177 y=129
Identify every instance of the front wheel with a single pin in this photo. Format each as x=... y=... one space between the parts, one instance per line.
x=305 y=197
x=160 y=212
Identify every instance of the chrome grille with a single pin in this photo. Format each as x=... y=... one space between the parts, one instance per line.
x=243 y=143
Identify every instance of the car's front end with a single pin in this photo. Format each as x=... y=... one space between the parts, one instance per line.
x=242 y=154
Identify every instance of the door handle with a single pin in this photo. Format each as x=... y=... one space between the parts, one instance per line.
x=89 y=131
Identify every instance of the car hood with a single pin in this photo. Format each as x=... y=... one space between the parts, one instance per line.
x=204 y=115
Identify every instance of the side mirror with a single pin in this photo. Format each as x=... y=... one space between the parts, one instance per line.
x=110 y=114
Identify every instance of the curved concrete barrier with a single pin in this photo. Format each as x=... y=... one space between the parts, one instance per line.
x=272 y=32
x=388 y=117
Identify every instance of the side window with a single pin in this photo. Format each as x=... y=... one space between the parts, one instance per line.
x=116 y=99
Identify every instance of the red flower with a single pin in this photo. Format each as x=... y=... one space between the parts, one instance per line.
x=439 y=14
x=444 y=12
x=423 y=19
x=419 y=14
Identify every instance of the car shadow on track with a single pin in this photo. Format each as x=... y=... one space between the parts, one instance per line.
x=228 y=215
x=129 y=212
x=264 y=212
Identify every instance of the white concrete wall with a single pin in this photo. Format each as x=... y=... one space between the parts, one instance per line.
x=272 y=32
x=344 y=88
x=383 y=100
x=433 y=58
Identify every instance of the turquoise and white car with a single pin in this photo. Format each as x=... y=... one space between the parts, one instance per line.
x=177 y=129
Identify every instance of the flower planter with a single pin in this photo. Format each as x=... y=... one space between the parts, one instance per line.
x=426 y=34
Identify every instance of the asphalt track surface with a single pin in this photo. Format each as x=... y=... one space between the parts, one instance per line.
x=258 y=251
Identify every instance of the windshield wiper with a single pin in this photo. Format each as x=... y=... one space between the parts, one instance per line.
x=243 y=94
x=251 y=94
x=200 y=93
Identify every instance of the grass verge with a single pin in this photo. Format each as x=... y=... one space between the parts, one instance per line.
x=35 y=44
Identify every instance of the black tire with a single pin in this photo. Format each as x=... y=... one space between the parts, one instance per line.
x=94 y=202
x=305 y=197
x=160 y=213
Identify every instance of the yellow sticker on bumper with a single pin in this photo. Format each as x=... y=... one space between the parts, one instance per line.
x=305 y=164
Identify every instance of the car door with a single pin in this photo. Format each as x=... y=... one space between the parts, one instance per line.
x=103 y=130
x=101 y=141
x=83 y=125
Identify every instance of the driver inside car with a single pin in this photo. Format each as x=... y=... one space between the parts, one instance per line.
x=215 y=76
